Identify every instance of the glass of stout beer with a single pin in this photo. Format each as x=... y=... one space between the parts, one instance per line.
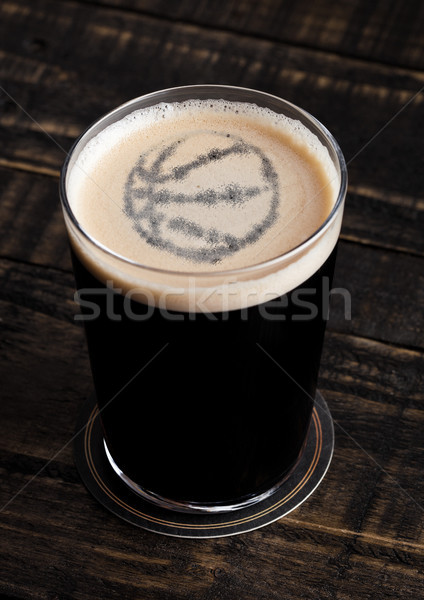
x=203 y=222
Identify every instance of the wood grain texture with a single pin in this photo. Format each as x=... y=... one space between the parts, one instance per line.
x=357 y=66
x=31 y=223
x=387 y=294
x=372 y=387
x=62 y=86
x=386 y=219
x=359 y=534
x=381 y=31
x=74 y=76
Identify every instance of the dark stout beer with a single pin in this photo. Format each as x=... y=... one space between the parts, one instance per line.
x=203 y=234
x=222 y=414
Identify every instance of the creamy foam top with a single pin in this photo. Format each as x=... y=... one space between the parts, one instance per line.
x=200 y=186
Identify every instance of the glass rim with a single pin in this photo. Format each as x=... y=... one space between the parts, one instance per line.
x=272 y=262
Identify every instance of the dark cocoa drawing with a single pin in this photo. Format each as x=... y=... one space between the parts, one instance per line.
x=149 y=192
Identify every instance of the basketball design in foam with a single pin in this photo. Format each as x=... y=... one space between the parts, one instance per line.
x=206 y=204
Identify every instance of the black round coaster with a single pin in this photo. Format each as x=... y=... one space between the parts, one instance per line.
x=107 y=487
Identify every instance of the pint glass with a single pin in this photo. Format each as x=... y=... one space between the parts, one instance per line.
x=205 y=377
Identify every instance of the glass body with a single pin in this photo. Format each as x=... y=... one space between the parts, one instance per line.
x=205 y=411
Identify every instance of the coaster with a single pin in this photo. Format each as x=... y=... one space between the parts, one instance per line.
x=108 y=488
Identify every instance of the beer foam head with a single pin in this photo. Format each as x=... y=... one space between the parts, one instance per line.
x=202 y=186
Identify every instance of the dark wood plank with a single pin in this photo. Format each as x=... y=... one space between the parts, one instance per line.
x=31 y=222
x=135 y=564
x=72 y=77
x=374 y=390
x=384 y=31
x=387 y=294
x=46 y=374
x=389 y=220
x=362 y=380
x=360 y=533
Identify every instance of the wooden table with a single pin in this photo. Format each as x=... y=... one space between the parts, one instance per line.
x=356 y=65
